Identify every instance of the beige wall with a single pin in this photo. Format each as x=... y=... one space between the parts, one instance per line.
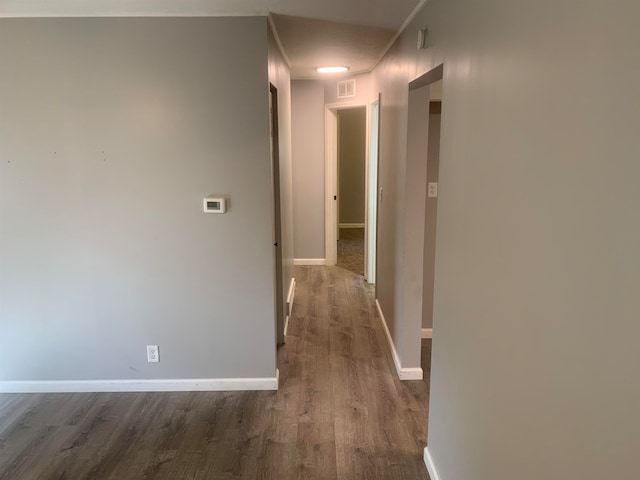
x=534 y=367
x=351 y=165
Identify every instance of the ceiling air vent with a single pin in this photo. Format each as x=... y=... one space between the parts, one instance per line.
x=347 y=88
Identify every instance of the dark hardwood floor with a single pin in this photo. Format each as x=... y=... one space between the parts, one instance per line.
x=340 y=412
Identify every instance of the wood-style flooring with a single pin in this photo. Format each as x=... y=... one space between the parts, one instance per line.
x=340 y=412
x=351 y=250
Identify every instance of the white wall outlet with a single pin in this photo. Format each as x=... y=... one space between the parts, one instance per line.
x=432 y=191
x=153 y=354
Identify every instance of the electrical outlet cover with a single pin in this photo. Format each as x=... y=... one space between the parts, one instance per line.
x=153 y=354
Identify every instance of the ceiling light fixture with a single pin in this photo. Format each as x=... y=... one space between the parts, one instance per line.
x=332 y=69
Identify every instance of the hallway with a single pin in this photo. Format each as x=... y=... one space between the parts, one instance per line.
x=340 y=412
x=338 y=357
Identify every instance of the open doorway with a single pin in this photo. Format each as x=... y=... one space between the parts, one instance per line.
x=351 y=208
x=431 y=209
x=351 y=179
x=423 y=162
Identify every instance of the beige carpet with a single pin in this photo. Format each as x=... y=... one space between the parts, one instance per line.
x=351 y=250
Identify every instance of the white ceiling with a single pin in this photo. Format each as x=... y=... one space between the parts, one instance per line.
x=312 y=32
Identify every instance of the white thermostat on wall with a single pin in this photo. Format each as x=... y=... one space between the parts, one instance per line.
x=214 y=204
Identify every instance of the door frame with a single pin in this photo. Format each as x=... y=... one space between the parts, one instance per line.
x=413 y=238
x=331 y=175
x=371 y=191
x=278 y=265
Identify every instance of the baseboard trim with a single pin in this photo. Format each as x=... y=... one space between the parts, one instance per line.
x=309 y=261
x=351 y=225
x=431 y=467
x=290 y=297
x=403 y=373
x=427 y=333
x=286 y=325
x=163 y=385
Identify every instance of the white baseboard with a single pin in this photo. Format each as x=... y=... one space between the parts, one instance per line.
x=309 y=261
x=163 y=385
x=286 y=325
x=290 y=297
x=403 y=373
x=431 y=467
x=427 y=333
x=351 y=225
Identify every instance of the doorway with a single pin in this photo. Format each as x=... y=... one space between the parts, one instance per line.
x=353 y=231
x=277 y=215
x=351 y=188
x=423 y=159
x=431 y=209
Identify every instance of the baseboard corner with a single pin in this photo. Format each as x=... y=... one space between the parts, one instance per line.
x=431 y=467
x=411 y=374
x=403 y=373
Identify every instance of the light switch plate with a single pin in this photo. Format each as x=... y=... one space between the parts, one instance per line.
x=432 y=190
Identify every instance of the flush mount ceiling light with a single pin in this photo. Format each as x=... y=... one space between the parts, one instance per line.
x=332 y=69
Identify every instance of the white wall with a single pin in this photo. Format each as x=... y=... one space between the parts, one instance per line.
x=307 y=133
x=534 y=367
x=112 y=131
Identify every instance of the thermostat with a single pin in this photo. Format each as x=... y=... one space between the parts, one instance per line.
x=215 y=204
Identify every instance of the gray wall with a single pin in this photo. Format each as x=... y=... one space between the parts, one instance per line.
x=351 y=164
x=307 y=133
x=112 y=131
x=534 y=367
